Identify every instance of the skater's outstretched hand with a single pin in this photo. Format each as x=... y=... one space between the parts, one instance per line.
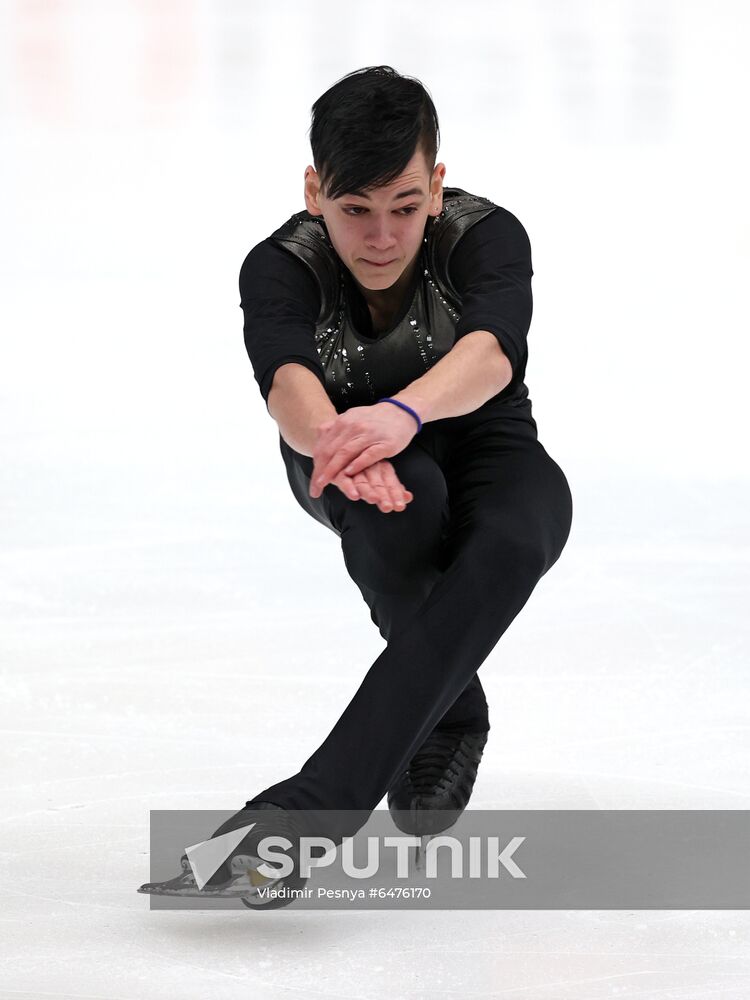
x=377 y=484
x=354 y=440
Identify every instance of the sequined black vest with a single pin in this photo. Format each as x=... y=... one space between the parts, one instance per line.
x=359 y=369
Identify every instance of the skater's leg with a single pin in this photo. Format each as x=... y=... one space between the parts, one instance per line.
x=510 y=515
x=395 y=558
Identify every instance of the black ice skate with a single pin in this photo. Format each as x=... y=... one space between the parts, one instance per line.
x=435 y=789
x=238 y=877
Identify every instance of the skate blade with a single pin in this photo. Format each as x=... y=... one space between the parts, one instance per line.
x=420 y=859
x=245 y=880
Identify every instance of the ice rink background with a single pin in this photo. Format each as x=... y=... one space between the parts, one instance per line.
x=177 y=633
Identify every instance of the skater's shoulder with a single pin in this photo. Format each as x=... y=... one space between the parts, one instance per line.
x=467 y=209
x=481 y=236
x=267 y=256
x=302 y=227
x=270 y=269
x=471 y=235
x=299 y=245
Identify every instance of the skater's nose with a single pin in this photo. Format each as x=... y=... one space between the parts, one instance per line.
x=379 y=235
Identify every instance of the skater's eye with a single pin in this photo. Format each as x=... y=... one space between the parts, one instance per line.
x=349 y=209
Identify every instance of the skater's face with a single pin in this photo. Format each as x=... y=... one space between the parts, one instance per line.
x=386 y=224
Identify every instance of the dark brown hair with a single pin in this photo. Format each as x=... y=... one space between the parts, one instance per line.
x=366 y=128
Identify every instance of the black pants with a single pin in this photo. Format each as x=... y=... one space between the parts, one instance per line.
x=443 y=579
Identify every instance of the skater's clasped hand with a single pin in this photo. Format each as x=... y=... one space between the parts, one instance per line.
x=352 y=447
x=377 y=484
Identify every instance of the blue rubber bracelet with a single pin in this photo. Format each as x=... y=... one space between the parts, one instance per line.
x=387 y=399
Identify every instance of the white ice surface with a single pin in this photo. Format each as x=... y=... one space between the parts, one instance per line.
x=177 y=633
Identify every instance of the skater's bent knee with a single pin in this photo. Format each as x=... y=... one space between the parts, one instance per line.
x=390 y=568
x=507 y=548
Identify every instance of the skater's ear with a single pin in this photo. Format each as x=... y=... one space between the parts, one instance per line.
x=312 y=191
x=436 y=189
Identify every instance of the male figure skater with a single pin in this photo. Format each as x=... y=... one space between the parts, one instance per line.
x=386 y=325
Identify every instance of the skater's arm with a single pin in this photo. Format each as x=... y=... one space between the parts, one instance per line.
x=473 y=371
x=491 y=270
x=279 y=300
x=299 y=404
